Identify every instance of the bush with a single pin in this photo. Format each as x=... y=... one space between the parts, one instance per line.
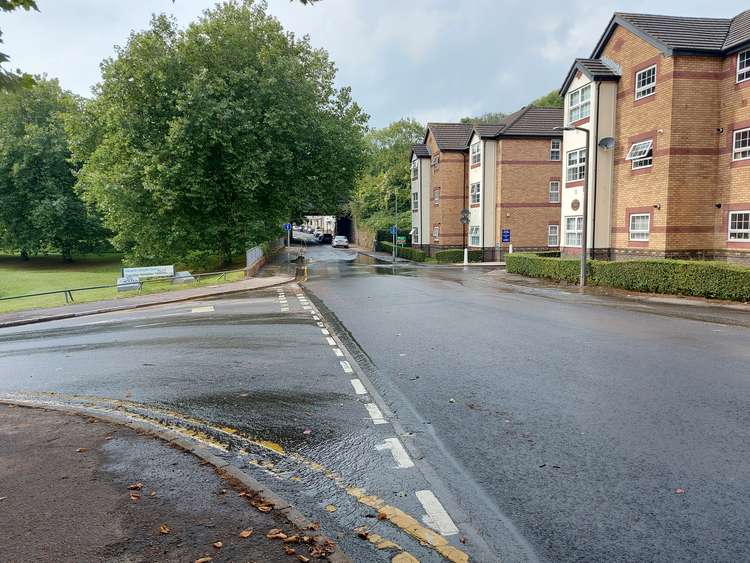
x=543 y=267
x=403 y=251
x=457 y=255
x=714 y=280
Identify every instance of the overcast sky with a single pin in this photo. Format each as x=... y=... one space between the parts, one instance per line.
x=435 y=60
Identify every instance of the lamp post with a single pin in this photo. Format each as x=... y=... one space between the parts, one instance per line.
x=584 y=226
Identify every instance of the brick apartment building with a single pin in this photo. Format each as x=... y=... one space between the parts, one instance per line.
x=673 y=94
x=507 y=175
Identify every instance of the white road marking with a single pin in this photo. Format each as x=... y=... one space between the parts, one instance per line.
x=316 y=317
x=331 y=341
x=285 y=309
x=375 y=414
x=338 y=352
x=359 y=389
x=403 y=461
x=325 y=331
x=321 y=325
x=437 y=518
x=149 y=324
x=346 y=366
x=307 y=308
x=206 y=309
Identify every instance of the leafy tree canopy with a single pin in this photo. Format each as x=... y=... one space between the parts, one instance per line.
x=551 y=100
x=387 y=176
x=10 y=79
x=488 y=118
x=39 y=211
x=206 y=140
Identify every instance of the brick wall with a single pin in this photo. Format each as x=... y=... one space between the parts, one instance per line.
x=524 y=172
x=450 y=176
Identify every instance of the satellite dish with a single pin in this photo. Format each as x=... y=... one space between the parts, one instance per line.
x=607 y=143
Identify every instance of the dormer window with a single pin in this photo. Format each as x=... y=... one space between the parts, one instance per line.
x=476 y=153
x=645 y=82
x=743 y=66
x=579 y=104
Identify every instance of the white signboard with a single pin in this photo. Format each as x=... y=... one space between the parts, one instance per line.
x=149 y=272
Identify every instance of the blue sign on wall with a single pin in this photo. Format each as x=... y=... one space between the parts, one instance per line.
x=506 y=235
x=287 y=226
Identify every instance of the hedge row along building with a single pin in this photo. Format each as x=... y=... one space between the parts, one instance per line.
x=666 y=103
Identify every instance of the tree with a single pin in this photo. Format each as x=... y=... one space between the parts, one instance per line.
x=10 y=79
x=39 y=211
x=489 y=118
x=206 y=140
x=551 y=100
x=387 y=175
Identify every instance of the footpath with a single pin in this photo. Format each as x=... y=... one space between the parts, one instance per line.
x=30 y=316
x=74 y=488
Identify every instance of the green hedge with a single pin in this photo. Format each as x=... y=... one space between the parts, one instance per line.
x=543 y=267
x=403 y=251
x=456 y=255
x=715 y=280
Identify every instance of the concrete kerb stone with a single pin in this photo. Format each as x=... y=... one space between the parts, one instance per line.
x=222 y=466
x=126 y=307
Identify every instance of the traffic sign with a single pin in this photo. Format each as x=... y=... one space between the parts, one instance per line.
x=394 y=230
x=287 y=226
x=506 y=235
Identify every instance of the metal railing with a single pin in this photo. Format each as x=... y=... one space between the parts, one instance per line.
x=68 y=293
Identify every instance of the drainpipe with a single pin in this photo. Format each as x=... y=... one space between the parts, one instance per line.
x=466 y=181
x=420 y=202
x=596 y=175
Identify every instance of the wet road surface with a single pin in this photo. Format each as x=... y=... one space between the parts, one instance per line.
x=530 y=422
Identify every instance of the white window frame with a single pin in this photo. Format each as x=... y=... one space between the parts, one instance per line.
x=578 y=167
x=555 y=148
x=641 y=154
x=553 y=235
x=742 y=152
x=738 y=234
x=436 y=196
x=554 y=192
x=577 y=232
x=743 y=66
x=476 y=153
x=640 y=234
x=646 y=89
x=414 y=170
x=578 y=108
x=475 y=235
x=415 y=201
x=436 y=232
x=475 y=193
x=415 y=235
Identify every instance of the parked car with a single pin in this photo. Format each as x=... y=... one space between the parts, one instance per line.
x=325 y=238
x=340 y=241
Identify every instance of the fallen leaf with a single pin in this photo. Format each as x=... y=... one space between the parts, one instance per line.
x=164 y=529
x=152 y=494
x=292 y=539
x=264 y=507
x=135 y=487
x=204 y=559
x=246 y=533
x=108 y=437
x=362 y=533
x=679 y=491
x=303 y=559
x=330 y=508
x=135 y=497
x=276 y=534
x=307 y=431
x=382 y=515
x=217 y=544
x=3 y=498
x=82 y=450
x=290 y=551
x=313 y=526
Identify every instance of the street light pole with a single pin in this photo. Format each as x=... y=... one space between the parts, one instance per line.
x=394 y=230
x=585 y=211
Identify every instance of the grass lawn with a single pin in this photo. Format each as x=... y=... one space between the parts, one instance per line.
x=50 y=273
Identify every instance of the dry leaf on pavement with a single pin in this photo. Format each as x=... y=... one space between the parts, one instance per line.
x=135 y=487
x=303 y=559
x=135 y=497
x=246 y=533
x=204 y=559
x=164 y=529
x=289 y=550
x=276 y=534
x=82 y=450
x=218 y=545
x=330 y=508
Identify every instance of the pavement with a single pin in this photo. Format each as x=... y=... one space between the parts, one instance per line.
x=435 y=413
x=79 y=489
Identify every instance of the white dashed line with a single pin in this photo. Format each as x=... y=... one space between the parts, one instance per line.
x=206 y=309
x=285 y=309
x=346 y=366
x=338 y=352
x=330 y=341
x=359 y=389
x=437 y=518
x=316 y=317
x=375 y=414
x=149 y=324
x=325 y=331
x=306 y=308
x=403 y=461
x=321 y=325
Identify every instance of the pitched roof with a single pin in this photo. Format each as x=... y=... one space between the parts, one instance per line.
x=450 y=136
x=595 y=69
x=529 y=121
x=683 y=35
x=421 y=150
